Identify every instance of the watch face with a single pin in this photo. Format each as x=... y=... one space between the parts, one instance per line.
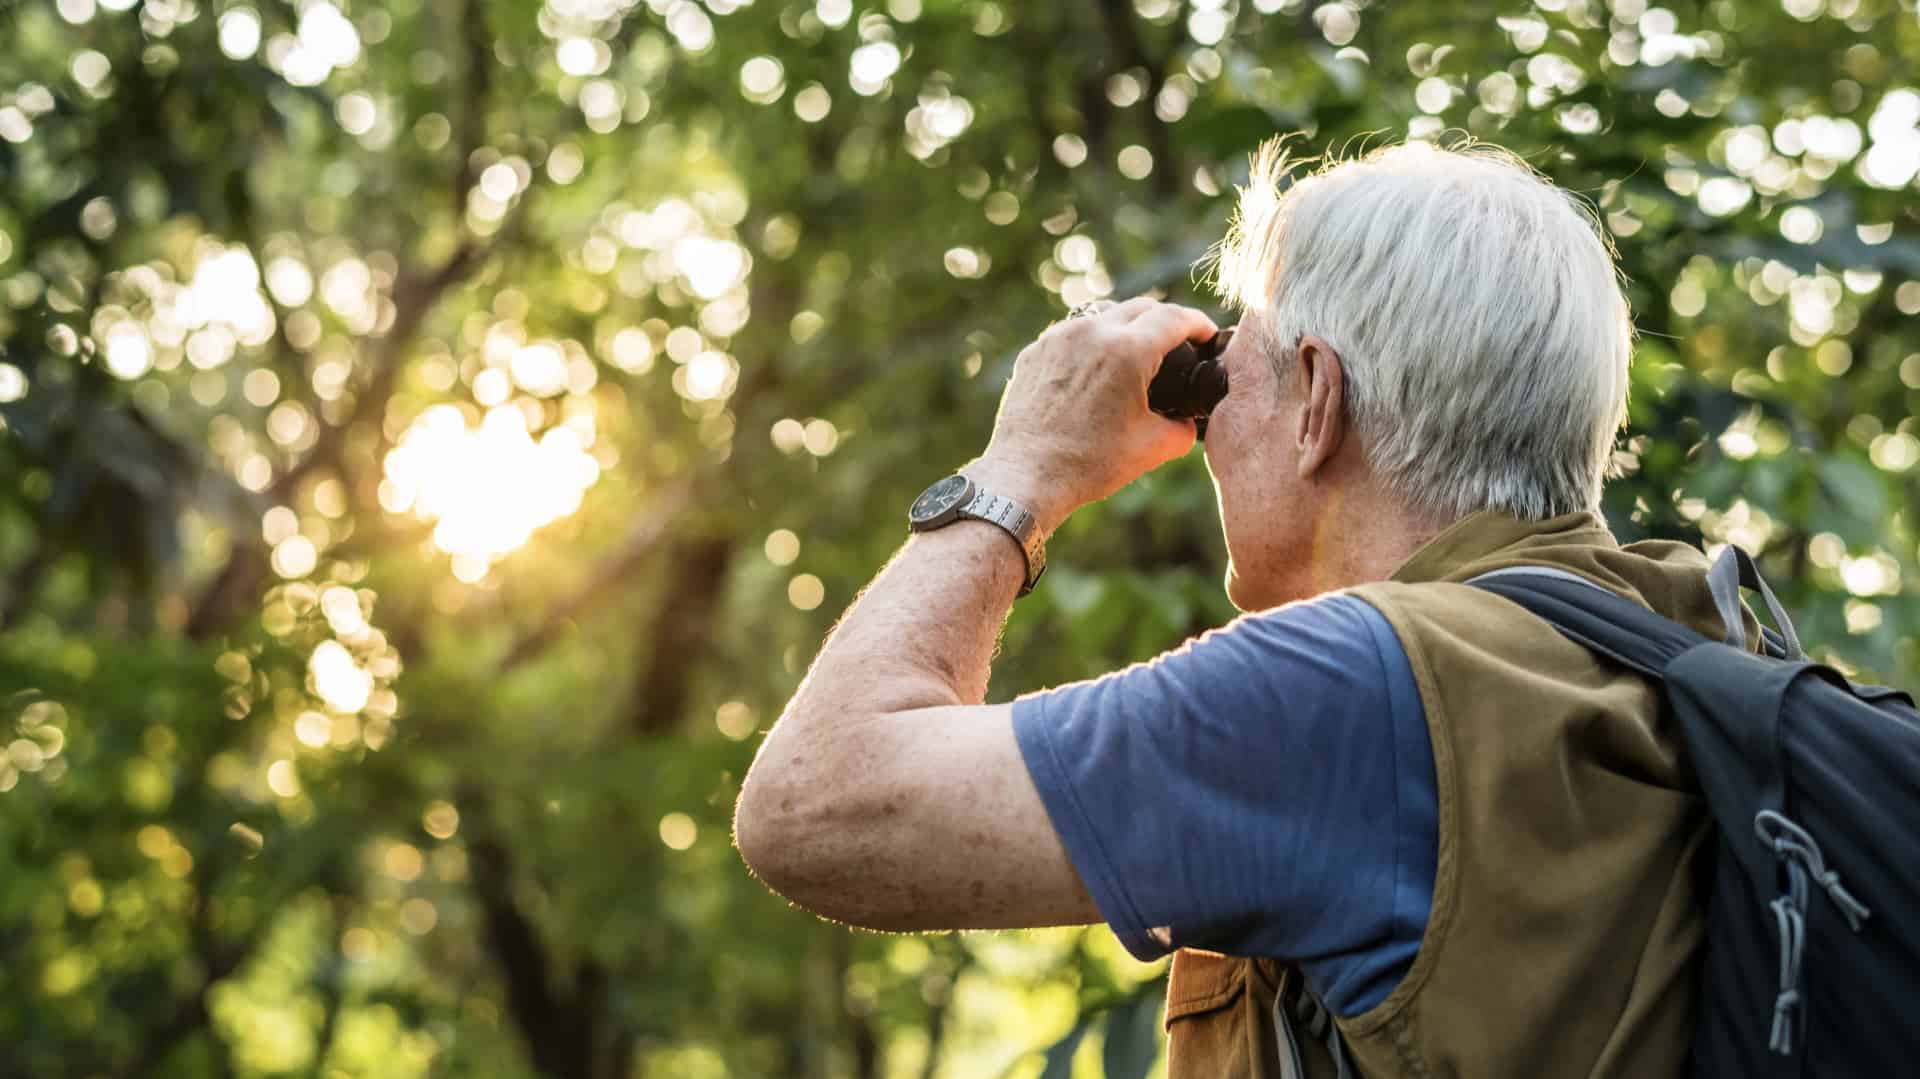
x=939 y=499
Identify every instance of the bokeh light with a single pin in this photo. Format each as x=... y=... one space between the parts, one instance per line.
x=488 y=487
x=338 y=679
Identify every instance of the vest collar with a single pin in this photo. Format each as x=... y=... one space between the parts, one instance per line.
x=1463 y=549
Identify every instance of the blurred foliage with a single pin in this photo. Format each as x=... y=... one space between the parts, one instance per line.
x=434 y=437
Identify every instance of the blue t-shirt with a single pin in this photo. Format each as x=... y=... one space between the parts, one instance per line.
x=1265 y=790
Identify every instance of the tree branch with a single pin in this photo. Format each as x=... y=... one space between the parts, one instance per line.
x=643 y=540
x=679 y=632
x=866 y=1041
x=556 y=1026
x=413 y=300
x=17 y=591
x=1125 y=38
x=937 y=1019
x=190 y=1015
x=473 y=119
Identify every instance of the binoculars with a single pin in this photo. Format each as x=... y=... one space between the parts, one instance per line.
x=1191 y=381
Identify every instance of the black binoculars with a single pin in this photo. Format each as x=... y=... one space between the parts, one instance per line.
x=1191 y=381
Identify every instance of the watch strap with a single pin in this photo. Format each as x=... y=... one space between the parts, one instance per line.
x=1018 y=523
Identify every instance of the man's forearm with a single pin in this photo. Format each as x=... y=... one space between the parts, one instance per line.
x=918 y=642
x=921 y=636
x=923 y=633
x=847 y=810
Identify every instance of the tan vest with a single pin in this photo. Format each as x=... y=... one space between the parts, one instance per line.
x=1566 y=923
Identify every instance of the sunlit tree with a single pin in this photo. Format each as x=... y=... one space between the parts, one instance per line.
x=434 y=437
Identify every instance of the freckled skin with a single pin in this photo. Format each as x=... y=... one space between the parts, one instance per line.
x=888 y=795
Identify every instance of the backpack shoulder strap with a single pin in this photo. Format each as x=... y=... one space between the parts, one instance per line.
x=1588 y=614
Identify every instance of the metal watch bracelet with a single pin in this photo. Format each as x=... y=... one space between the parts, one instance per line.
x=1018 y=523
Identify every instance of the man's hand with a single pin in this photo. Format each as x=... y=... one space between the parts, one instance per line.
x=1073 y=425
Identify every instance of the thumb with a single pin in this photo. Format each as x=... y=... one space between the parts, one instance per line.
x=1168 y=439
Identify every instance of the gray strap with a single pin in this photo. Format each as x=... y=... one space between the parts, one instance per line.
x=1319 y=1020
x=1779 y=645
x=1538 y=571
x=1290 y=1065
x=1733 y=570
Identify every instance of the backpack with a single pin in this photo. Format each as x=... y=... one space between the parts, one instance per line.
x=1812 y=963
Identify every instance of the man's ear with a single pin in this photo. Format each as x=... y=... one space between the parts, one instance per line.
x=1323 y=412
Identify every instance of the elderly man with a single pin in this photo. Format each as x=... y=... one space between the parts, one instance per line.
x=1380 y=791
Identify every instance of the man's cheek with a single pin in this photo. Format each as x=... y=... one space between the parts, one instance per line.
x=1223 y=439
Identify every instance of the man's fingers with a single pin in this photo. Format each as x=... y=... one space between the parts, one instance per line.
x=1146 y=323
x=1166 y=325
x=1084 y=318
x=1105 y=312
x=1127 y=311
x=1140 y=305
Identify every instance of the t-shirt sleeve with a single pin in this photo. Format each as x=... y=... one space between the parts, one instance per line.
x=1264 y=790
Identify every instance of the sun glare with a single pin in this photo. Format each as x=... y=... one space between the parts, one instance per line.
x=489 y=488
x=342 y=683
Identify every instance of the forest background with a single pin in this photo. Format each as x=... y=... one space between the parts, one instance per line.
x=435 y=436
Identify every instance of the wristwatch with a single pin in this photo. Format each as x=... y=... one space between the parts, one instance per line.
x=955 y=497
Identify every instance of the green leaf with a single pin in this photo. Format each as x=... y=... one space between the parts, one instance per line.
x=1133 y=1033
x=1060 y=1054
x=1852 y=501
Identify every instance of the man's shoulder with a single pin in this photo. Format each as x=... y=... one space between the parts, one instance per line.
x=1335 y=651
x=1330 y=647
x=1342 y=618
x=1343 y=610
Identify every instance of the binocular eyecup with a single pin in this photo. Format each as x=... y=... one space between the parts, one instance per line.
x=1191 y=381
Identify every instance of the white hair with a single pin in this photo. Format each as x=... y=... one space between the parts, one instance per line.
x=1476 y=309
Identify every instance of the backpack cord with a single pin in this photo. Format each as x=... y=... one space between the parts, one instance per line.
x=1795 y=843
x=1797 y=851
x=1793 y=929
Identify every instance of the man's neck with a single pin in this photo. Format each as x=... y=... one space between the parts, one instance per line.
x=1373 y=537
x=1356 y=537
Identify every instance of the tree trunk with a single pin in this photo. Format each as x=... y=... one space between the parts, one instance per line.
x=682 y=629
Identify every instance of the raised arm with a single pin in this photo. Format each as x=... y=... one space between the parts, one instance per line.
x=888 y=795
